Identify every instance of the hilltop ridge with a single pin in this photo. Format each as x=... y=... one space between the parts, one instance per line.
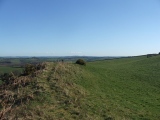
x=50 y=94
x=125 y=88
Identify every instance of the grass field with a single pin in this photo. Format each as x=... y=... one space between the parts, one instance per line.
x=127 y=88
x=119 y=89
x=7 y=69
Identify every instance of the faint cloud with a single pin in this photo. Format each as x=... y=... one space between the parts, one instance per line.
x=76 y=53
x=44 y=53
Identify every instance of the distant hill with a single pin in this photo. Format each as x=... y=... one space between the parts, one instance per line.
x=125 y=88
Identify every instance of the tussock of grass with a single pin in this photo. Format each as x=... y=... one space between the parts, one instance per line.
x=15 y=93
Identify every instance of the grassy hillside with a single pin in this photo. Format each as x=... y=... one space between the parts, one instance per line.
x=48 y=94
x=127 y=88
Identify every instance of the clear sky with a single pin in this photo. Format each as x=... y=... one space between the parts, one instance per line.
x=79 y=27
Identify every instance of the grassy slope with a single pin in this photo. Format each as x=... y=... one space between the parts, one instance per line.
x=51 y=95
x=61 y=98
x=126 y=88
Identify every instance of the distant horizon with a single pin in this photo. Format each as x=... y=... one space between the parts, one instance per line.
x=75 y=55
x=64 y=56
x=80 y=56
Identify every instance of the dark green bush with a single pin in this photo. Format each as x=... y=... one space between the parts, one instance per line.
x=80 y=62
x=7 y=78
x=29 y=69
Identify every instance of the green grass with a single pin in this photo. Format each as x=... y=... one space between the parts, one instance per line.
x=54 y=95
x=127 y=88
x=120 y=89
x=7 y=69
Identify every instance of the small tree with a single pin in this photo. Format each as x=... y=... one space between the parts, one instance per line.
x=80 y=62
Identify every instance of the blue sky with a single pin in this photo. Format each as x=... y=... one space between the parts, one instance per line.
x=79 y=27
